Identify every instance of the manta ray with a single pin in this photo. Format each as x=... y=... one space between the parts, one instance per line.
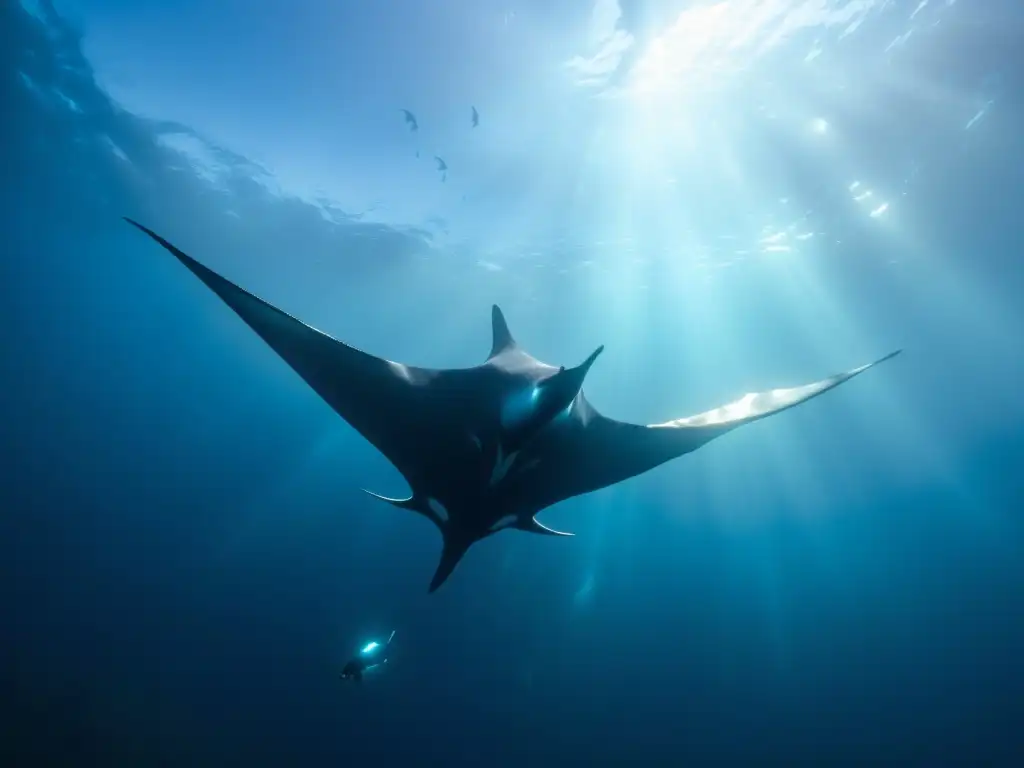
x=486 y=448
x=442 y=166
x=410 y=120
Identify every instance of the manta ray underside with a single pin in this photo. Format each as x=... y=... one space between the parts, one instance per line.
x=486 y=448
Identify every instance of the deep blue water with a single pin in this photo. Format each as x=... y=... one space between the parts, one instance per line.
x=186 y=560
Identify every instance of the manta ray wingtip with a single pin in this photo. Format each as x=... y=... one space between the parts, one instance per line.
x=212 y=279
x=144 y=228
x=136 y=224
x=879 y=361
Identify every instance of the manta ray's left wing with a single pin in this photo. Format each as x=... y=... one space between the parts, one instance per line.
x=382 y=400
x=590 y=451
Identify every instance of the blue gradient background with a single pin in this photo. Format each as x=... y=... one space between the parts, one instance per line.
x=185 y=559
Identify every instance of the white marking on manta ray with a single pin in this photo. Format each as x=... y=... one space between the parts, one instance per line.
x=476 y=442
x=400 y=369
x=505 y=521
x=751 y=404
x=438 y=508
x=742 y=408
x=502 y=465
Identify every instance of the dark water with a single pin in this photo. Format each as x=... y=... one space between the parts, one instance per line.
x=186 y=562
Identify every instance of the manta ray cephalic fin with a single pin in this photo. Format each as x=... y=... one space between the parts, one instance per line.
x=413 y=505
x=400 y=503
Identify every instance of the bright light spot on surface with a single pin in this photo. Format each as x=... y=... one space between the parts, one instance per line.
x=899 y=40
x=775 y=243
x=920 y=7
x=723 y=38
x=370 y=647
x=693 y=48
x=978 y=115
x=607 y=42
x=867 y=194
x=819 y=126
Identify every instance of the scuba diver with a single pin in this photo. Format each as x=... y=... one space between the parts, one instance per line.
x=372 y=655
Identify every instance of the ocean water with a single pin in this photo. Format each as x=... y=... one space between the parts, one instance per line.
x=731 y=196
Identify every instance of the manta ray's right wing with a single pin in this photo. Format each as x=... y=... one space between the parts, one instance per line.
x=592 y=451
x=377 y=397
x=753 y=406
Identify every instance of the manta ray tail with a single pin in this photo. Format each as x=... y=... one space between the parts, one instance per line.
x=454 y=548
x=451 y=553
x=535 y=526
